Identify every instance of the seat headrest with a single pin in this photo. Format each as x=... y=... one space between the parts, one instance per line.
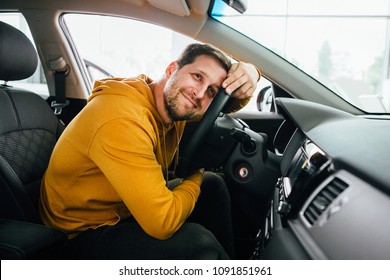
x=18 y=58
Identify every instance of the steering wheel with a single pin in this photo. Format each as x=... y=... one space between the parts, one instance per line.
x=186 y=162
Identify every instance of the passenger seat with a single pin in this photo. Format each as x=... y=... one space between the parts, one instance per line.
x=28 y=133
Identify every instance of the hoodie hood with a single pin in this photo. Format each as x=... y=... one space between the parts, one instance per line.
x=138 y=87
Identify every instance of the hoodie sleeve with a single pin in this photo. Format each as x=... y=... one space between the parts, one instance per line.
x=124 y=150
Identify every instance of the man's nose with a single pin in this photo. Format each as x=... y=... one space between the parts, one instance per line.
x=199 y=92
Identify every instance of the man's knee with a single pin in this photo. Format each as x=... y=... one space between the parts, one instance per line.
x=214 y=189
x=204 y=245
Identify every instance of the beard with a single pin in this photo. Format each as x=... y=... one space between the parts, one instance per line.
x=174 y=106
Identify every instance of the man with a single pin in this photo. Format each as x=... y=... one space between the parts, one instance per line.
x=107 y=180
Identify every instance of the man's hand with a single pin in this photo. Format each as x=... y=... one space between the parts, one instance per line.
x=241 y=80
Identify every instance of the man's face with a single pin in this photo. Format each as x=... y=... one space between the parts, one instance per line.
x=190 y=90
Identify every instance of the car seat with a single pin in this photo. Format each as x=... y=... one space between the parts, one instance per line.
x=28 y=133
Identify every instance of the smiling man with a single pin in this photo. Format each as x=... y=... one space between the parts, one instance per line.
x=190 y=89
x=107 y=182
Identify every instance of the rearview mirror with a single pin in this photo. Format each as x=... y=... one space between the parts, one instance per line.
x=238 y=5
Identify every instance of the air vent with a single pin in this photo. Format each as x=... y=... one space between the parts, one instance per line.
x=322 y=200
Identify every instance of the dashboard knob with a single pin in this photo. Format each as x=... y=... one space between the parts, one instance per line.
x=283 y=208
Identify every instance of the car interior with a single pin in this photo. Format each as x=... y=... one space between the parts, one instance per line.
x=308 y=172
x=29 y=131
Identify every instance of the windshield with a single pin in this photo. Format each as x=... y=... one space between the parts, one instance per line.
x=345 y=45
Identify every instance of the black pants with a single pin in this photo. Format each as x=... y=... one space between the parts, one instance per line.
x=207 y=233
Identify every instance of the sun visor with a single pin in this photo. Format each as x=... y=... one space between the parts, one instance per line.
x=177 y=7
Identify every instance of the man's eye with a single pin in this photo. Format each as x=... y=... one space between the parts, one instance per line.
x=212 y=92
x=197 y=76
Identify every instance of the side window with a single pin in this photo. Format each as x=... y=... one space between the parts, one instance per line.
x=112 y=46
x=37 y=82
x=120 y=47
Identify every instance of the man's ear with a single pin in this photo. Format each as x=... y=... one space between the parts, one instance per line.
x=171 y=68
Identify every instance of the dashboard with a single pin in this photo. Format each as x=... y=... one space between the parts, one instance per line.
x=333 y=198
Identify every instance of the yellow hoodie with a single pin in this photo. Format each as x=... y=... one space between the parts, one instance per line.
x=109 y=164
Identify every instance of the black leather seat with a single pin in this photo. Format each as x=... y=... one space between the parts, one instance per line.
x=28 y=133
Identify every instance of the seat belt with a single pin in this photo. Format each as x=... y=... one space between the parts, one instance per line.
x=60 y=70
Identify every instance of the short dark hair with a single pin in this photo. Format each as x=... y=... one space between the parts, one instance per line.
x=192 y=51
